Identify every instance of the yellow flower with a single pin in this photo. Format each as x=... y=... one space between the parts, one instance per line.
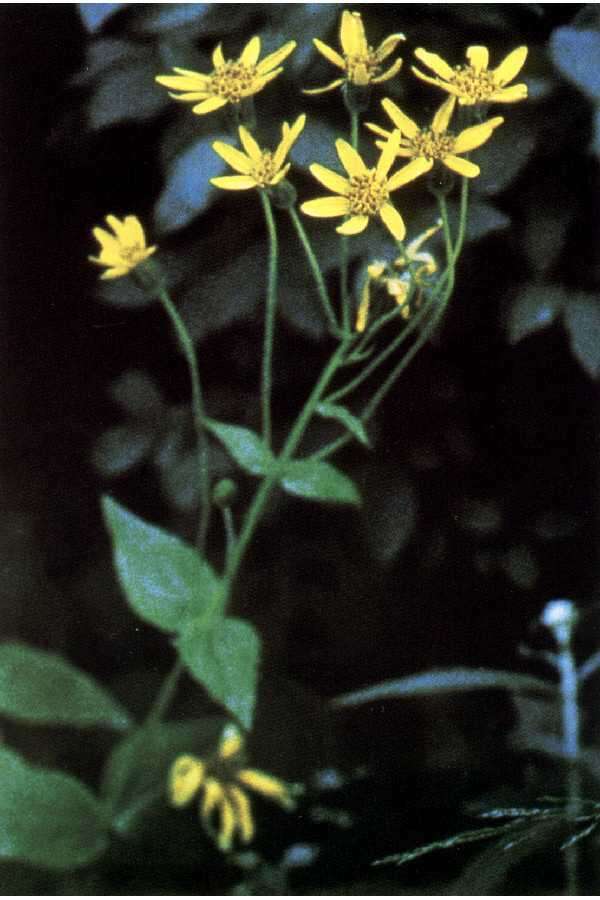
x=222 y=781
x=231 y=79
x=360 y=62
x=476 y=83
x=363 y=194
x=123 y=250
x=425 y=145
x=398 y=286
x=258 y=168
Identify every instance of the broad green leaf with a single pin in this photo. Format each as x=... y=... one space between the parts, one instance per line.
x=504 y=156
x=575 y=52
x=345 y=417
x=244 y=445
x=457 y=840
x=188 y=191
x=135 y=775
x=224 y=659
x=535 y=307
x=94 y=15
x=166 y=582
x=44 y=689
x=126 y=94
x=484 y=218
x=48 y=818
x=582 y=320
x=316 y=480
x=445 y=681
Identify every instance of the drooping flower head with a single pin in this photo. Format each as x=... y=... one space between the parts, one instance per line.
x=257 y=168
x=363 y=194
x=418 y=266
x=231 y=79
x=476 y=82
x=426 y=145
x=123 y=250
x=360 y=63
x=222 y=780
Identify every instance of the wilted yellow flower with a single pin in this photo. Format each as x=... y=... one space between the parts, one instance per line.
x=231 y=79
x=365 y=193
x=476 y=83
x=398 y=286
x=123 y=250
x=222 y=781
x=426 y=145
x=360 y=62
x=258 y=168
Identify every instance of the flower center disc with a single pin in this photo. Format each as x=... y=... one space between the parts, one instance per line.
x=477 y=86
x=431 y=145
x=361 y=68
x=233 y=80
x=264 y=170
x=367 y=194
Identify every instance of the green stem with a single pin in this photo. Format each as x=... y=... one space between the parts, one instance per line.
x=315 y=269
x=165 y=695
x=187 y=348
x=230 y=537
x=354 y=129
x=259 y=502
x=462 y=222
x=270 y=308
x=344 y=291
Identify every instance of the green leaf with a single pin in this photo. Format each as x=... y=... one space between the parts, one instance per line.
x=165 y=581
x=316 y=480
x=224 y=659
x=457 y=840
x=575 y=52
x=536 y=307
x=244 y=445
x=48 y=819
x=345 y=417
x=582 y=320
x=445 y=681
x=44 y=689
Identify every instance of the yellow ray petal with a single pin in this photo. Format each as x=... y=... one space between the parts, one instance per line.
x=290 y=136
x=441 y=120
x=332 y=55
x=243 y=812
x=353 y=225
x=352 y=34
x=183 y=83
x=212 y=795
x=400 y=119
x=328 y=87
x=445 y=85
x=117 y=226
x=329 y=179
x=393 y=221
x=326 y=207
x=237 y=160
x=377 y=129
x=191 y=95
x=260 y=82
x=251 y=52
x=191 y=74
x=409 y=172
x=231 y=743
x=217 y=57
x=234 y=182
x=476 y=135
x=389 y=73
x=227 y=826
x=134 y=231
x=249 y=145
x=462 y=166
x=388 y=45
x=279 y=176
x=510 y=66
x=207 y=106
x=349 y=158
x=435 y=63
x=114 y=273
x=510 y=94
x=273 y=59
x=267 y=785
x=362 y=313
x=185 y=779
x=107 y=241
x=388 y=155
x=478 y=57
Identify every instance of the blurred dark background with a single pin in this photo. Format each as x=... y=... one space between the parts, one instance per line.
x=481 y=492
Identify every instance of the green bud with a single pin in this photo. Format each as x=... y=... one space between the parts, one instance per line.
x=283 y=195
x=224 y=493
x=150 y=276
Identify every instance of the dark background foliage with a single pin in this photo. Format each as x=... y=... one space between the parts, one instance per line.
x=480 y=495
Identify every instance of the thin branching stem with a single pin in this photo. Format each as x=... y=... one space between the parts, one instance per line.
x=270 y=309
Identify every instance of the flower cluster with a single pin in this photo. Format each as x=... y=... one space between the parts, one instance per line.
x=222 y=781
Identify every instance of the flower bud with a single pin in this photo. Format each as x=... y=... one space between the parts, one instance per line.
x=224 y=493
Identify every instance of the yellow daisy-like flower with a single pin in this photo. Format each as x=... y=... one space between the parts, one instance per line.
x=426 y=145
x=398 y=286
x=476 y=82
x=231 y=79
x=258 y=168
x=222 y=781
x=364 y=194
x=360 y=63
x=123 y=250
